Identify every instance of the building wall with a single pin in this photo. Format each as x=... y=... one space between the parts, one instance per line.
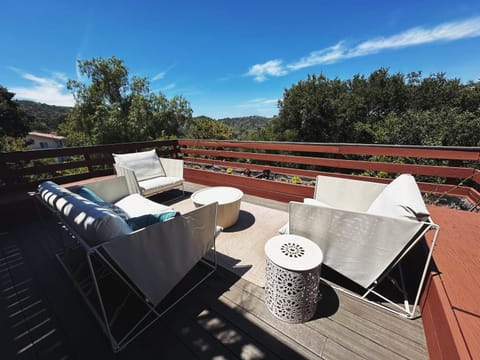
x=40 y=142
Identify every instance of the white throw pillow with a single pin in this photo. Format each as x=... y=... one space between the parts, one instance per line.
x=401 y=197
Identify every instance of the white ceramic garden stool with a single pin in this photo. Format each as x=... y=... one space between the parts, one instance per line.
x=292 y=277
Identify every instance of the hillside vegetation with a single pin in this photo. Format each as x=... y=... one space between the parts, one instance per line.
x=45 y=118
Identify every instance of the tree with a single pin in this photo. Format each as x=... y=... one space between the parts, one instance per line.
x=207 y=128
x=380 y=108
x=13 y=122
x=113 y=108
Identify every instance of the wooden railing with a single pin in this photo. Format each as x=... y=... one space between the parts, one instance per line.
x=24 y=170
x=438 y=169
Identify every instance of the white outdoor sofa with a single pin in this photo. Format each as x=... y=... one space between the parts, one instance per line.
x=149 y=261
x=365 y=229
x=147 y=174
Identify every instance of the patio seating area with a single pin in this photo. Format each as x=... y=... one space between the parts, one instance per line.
x=44 y=317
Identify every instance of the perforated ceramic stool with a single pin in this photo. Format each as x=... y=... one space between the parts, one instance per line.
x=292 y=277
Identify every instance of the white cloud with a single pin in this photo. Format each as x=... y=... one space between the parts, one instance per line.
x=416 y=36
x=168 y=87
x=159 y=76
x=45 y=90
x=272 y=68
x=329 y=55
x=258 y=106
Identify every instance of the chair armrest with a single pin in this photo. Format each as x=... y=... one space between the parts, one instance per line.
x=358 y=245
x=157 y=257
x=172 y=167
x=130 y=177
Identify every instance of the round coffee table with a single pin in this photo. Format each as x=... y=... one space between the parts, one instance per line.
x=228 y=198
x=292 y=277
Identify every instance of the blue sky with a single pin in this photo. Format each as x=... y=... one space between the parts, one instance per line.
x=233 y=58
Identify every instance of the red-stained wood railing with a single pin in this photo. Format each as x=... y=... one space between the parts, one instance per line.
x=454 y=164
x=22 y=171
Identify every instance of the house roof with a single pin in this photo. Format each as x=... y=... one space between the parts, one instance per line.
x=46 y=135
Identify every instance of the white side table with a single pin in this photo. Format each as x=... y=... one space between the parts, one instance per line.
x=292 y=277
x=228 y=198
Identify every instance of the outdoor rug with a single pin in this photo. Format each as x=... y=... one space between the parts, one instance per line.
x=240 y=248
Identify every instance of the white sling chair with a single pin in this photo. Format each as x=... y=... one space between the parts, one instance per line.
x=365 y=229
x=100 y=253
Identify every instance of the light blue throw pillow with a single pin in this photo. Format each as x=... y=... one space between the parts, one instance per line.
x=140 y=222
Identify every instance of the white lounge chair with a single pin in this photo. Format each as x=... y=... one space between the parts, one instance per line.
x=102 y=251
x=365 y=229
x=147 y=174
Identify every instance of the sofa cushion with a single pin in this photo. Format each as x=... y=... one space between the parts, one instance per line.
x=137 y=205
x=151 y=186
x=145 y=164
x=140 y=222
x=400 y=198
x=51 y=192
x=95 y=224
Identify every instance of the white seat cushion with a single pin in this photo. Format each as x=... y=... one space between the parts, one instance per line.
x=145 y=164
x=151 y=186
x=401 y=197
x=136 y=205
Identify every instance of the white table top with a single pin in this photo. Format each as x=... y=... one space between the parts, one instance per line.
x=293 y=252
x=222 y=194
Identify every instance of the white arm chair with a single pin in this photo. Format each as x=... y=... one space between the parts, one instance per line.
x=147 y=174
x=364 y=231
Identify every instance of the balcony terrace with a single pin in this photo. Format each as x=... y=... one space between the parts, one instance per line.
x=42 y=315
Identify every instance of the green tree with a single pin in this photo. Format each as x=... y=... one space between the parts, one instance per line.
x=207 y=128
x=380 y=108
x=14 y=122
x=112 y=108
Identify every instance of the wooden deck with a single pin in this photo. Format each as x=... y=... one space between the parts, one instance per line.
x=43 y=317
x=451 y=300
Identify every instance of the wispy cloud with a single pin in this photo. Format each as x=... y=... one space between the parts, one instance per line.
x=160 y=75
x=413 y=37
x=49 y=90
x=169 y=87
x=259 y=106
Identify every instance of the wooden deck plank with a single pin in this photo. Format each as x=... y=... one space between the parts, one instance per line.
x=207 y=307
x=347 y=323
x=310 y=334
x=261 y=333
x=303 y=336
x=199 y=341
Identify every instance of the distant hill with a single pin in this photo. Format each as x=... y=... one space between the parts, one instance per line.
x=242 y=126
x=46 y=117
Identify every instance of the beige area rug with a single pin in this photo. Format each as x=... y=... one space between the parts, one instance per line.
x=240 y=248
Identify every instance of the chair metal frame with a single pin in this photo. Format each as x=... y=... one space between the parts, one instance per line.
x=407 y=310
